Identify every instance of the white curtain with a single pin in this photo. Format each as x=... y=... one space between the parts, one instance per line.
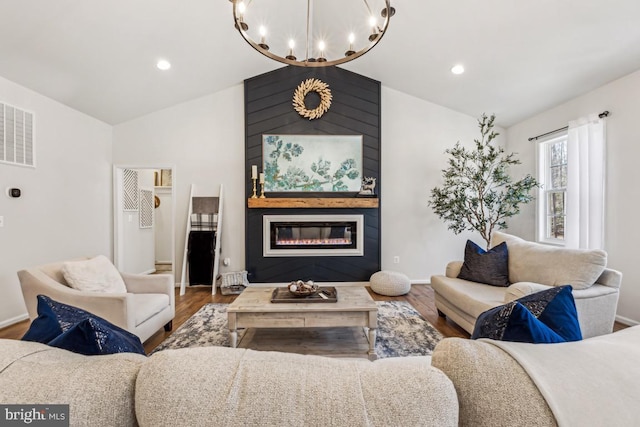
x=585 y=183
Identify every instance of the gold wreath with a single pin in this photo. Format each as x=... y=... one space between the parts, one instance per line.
x=312 y=85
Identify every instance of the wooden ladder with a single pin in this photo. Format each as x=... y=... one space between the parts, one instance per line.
x=210 y=205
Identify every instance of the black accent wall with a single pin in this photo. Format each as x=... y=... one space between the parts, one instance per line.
x=355 y=110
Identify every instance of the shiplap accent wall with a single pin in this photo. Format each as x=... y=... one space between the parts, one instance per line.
x=355 y=110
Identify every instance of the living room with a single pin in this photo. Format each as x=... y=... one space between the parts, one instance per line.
x=66 y=207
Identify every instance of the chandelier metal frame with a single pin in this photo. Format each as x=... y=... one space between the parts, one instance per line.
x=309 y=61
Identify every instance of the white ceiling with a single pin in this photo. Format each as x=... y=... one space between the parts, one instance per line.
x=521 y=56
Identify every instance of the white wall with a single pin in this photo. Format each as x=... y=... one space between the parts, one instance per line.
x=622 y=99
x=65 y=210
x=204 y=138
x=415 y=134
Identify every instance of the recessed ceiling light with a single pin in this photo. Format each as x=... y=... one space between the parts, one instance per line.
x=457 y=69
x=163 y=64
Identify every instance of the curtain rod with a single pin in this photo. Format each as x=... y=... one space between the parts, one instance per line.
x=535 y=138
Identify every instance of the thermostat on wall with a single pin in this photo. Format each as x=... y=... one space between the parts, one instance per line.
x=14 y=192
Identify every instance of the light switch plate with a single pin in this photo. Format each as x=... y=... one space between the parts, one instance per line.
x=1 y=221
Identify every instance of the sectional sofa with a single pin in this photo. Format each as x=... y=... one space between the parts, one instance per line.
x=593 y=382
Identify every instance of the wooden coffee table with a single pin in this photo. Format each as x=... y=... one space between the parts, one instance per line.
x=354 y=308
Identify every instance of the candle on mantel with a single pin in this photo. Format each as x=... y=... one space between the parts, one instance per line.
x=254 y=171
x=261 y=178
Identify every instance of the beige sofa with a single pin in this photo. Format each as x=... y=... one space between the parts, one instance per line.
x=534 y=267
x=593 y=382
x=148 y=305
x=227 y=387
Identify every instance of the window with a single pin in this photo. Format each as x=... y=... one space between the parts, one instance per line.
x=552 y=206
x=571 y=170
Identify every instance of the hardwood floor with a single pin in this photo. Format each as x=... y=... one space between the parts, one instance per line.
x=420 y=297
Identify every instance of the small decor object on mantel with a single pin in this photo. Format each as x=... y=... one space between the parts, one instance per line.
x=262 y=185
x=312 y=85
x=368 y=188
x=254 y=178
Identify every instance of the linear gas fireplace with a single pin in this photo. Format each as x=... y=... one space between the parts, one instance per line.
x=313 y=235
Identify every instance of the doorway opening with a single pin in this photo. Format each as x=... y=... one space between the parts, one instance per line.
x=144 y=219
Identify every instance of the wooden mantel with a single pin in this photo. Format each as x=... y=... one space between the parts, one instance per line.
x=312 y=202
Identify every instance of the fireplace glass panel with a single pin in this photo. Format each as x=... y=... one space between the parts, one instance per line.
x=313 y=235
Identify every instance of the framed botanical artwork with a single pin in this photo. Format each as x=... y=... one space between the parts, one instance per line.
x=298 y=163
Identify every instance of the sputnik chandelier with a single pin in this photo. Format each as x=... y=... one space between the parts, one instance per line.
x=312 y=33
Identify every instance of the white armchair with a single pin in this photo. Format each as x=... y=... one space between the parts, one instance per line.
x=148 y=304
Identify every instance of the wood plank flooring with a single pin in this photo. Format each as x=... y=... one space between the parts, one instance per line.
x=420 y=297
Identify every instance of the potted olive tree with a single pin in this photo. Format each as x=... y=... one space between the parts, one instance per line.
x=478 y=193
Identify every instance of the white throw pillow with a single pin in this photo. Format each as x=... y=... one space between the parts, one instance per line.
x=94 y=275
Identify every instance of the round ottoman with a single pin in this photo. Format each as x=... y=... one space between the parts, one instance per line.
x=390 y=283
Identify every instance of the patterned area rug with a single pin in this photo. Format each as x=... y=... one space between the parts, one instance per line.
x=402 y=331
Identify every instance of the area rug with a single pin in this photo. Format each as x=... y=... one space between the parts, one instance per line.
x=402 y=331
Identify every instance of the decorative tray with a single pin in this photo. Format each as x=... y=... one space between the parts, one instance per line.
x=283 y=295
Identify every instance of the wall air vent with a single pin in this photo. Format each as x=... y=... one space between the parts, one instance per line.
x=17 y=145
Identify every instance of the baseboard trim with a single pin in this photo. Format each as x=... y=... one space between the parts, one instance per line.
x=627 y=321
x=14 y=320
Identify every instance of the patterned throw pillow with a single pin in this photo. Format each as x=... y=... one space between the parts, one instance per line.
x=513 y=322
x=548 y=316
x=95 y=336
x=488 y=267
x=556 y=308
x=74 y=329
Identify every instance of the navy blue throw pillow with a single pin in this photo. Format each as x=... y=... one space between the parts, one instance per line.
x=556 y=308
x=489 y=267
x=513 y=322
x=45 y=327
x=553 y=308
x=95 y=336
x=55 y=319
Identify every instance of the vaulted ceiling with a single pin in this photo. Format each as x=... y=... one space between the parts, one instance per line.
x=521 y=57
